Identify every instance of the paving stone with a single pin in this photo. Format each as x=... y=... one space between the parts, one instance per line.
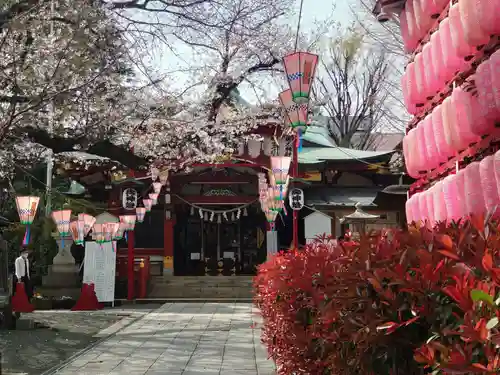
x=183 y=339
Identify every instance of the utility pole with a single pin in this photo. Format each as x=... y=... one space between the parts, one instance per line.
x=50 y=158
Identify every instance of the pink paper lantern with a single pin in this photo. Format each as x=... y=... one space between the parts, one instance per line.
x=410 y=106
x=417 y=215
x=26 y=208
x=430 y=73
x=295 y=114
x=495 y=81
x=486 y=97
x=421 y=19
x=410 y=88
x=442 y=151
x=300 y=68
x=413 y=28
x=423 y=208
x=474 y=199
x=422 y=91
x=422 y=156
x=410 y=147
x=88 y=222
x=464 y=106
x=440 y=213
x=140 y=213
x=460 y=46
x=122 y=227
x=489 y=16
x=104 y=232
x=449 y=126
x=62 y=220
x=280 y=166
x=77 y=229
x=433 y=8
x=452 y=62
x=473 y=33
x=454 y=197
x=153 y=197
x=408 y=42
x=430 y=207
x=437 y=58
x=489 y=185
x=128 y=221
x=148 y=203
x=430 y=142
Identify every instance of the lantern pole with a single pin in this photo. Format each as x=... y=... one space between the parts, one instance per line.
x=130 y=252
x=295 y=163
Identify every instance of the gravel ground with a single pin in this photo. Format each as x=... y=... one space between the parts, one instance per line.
x=44 y=339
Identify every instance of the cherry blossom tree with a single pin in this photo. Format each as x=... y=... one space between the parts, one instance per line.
x=66 y=79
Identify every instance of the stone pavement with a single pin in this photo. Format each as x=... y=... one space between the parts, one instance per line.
x=44 y=339
x=182 y=339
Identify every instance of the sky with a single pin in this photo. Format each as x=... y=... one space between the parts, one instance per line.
x=314 y=12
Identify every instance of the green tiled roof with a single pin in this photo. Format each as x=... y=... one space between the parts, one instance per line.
x=316 y=155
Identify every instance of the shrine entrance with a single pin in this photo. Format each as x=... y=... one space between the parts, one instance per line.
x=209 y=247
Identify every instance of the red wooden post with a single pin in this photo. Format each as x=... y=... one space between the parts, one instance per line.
x=131 y=243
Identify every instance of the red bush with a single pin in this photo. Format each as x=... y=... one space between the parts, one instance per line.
x=394 y=303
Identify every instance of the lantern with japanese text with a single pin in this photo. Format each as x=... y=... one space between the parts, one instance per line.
x=148 y=203
x=154 y=197
x=140 y=212
x=300 y=68
x=129 y=199
x=26 y=208
x=77 y=229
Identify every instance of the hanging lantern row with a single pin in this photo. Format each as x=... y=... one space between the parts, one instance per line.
x=81 y=227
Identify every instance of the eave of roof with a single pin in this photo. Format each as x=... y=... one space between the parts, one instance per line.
x=340 y=196
x=317 y=155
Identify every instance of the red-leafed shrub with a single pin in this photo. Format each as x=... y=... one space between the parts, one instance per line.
x=395 y=303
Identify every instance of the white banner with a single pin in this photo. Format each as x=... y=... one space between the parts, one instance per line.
x=100 y=269
x=272 y=242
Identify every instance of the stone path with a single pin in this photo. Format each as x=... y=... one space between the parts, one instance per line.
x=182 y=339
x=44 y=339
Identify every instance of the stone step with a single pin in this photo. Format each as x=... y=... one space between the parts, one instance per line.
x=211 y=287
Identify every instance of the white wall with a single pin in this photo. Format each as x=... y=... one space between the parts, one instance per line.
x=317 y=224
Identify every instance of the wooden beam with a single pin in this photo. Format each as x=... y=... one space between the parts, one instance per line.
x=214 y=200
x=216 y=179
